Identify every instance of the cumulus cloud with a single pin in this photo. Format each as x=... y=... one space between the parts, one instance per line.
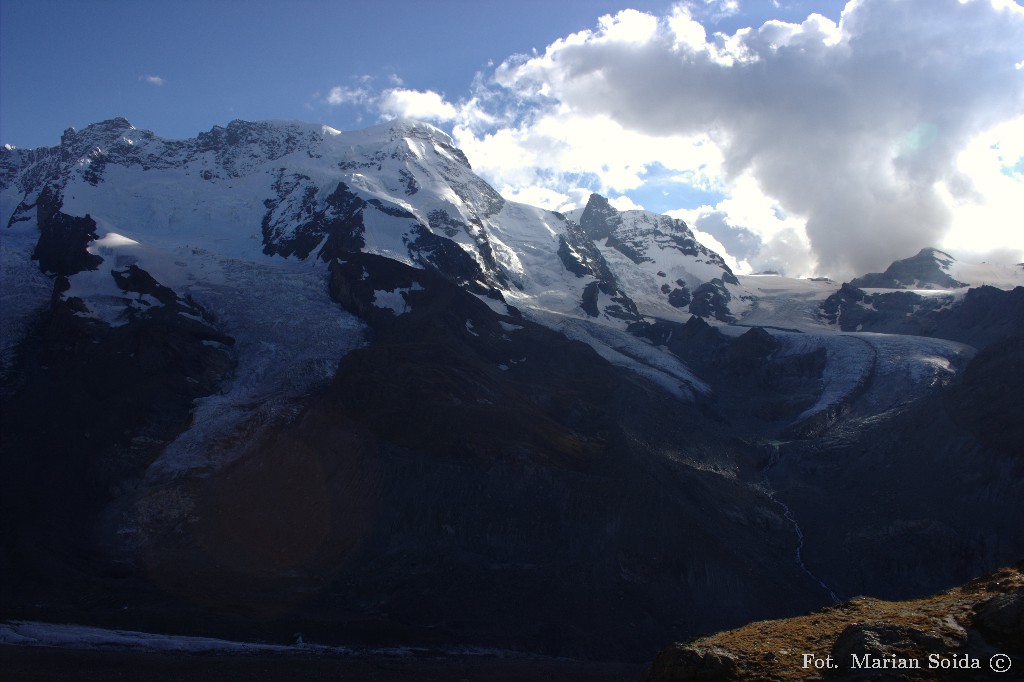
x=153 y=80
x=341 y=94
x=405 y=103
x=858 y=133
x=557 y=148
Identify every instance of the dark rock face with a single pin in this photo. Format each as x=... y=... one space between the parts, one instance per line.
x=581 y=257
x=88 y=411
x=679 y=297
x=62 y=238
x=339 y=220
x=573 y=261
x=860 y=643
x=135 y=279
x=923 y=271
x=686 y=662
x=989 y=402
x=446 y=257
x=759 y=393
x=589 y=303
x=983 y=316
x=599 y=219
x=711 y=299
x=880 y=494
x=1002 y=618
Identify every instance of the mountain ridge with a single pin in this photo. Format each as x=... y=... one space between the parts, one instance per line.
x=335 y=381
x=928 y=269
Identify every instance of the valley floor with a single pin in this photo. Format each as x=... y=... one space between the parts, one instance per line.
x=43 y=663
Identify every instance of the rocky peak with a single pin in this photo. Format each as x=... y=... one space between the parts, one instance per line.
x=242 y=143
x=928 y=269
x=118 y=125
x=599 y=218
x=96 y=135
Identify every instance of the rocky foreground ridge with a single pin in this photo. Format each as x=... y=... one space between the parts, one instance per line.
x=975 y=631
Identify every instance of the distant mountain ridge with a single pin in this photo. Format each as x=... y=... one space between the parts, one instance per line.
x=919 y=296
x=400 y=189
x=928 y=269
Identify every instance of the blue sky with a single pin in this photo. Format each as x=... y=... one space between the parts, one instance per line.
x=70 y=63
x=778 y=128
x=73 y=62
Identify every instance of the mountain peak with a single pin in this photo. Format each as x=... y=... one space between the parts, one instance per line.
x=944 y=259
x=101 y=132
x=599 y=218
x=417 y=127
x=928 y=269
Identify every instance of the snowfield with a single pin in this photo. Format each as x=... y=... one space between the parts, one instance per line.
x=192 y=214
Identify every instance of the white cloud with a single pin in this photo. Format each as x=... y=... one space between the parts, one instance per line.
x=685 y=31
x=624 y=203
x=628 y=26
x=574 y=197
x=153 y=80
x=340 y=94
x=404 y=103
x=840 y=146
x=986 y=204
x=560 y=148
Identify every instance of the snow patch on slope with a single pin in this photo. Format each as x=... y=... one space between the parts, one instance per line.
x=290 y=336
x=395 y=300
x=627 y=351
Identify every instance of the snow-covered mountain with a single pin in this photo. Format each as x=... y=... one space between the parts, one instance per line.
x=339 y=369
x=934 y=270
x=245 y=220
x=401 y=190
